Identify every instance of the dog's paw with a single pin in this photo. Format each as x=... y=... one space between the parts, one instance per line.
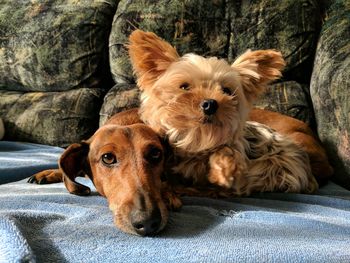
x=46 y=177
x=312 y=186
x=171 y=199
x=225 y=166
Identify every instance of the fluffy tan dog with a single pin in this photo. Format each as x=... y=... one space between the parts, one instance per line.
x=201 y=105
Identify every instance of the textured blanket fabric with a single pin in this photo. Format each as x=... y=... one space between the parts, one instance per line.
x=20 y=160
x=44 y=223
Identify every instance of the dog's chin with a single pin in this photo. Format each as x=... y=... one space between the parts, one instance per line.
x=208 y=120
x=124 y=226
x=122 y=220
x=206 y=135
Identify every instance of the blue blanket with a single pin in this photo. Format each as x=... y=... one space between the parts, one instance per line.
x=18 y=159
x=44 y=223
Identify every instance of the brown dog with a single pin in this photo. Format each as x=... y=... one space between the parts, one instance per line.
x=124 y=159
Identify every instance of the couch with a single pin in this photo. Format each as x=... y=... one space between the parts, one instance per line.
x=64 y=70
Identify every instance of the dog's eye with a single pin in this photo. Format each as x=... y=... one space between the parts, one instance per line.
x=109 y=159
x=154 y=155
x=227 y=91
x=185 y=86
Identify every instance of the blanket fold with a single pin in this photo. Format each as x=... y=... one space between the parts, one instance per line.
x=13 y=245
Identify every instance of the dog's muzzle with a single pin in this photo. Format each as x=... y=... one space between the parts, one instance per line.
x=209 y=106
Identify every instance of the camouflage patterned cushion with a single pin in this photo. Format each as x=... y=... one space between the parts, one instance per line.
x=54 y=45
x=221 y=28
x=289 y=98
x=55 y=118
x=191 y=26
x=121 y=97
x=47 y=46
x=290 y=26
x=330 y=85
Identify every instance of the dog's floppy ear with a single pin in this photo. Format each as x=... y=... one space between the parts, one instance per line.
x=72 y=163
x=150 y=56
x=257 y=69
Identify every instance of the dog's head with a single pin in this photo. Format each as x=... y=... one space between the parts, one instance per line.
x=199 y=103
x=125 y=164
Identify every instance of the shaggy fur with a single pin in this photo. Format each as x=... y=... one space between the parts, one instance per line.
x=214 y=148
x=302 y=135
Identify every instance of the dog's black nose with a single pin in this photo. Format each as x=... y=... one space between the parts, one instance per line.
x=146 y=224
x=209 y=106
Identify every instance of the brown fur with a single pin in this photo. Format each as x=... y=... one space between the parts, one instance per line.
x=302 y=135
x=132 y=185
x=211 y=148
x=167 y=108
x=154 y=63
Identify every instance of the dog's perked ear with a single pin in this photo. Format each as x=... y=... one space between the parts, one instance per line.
x=73 y=163
x=257 y=69
x=150 y=57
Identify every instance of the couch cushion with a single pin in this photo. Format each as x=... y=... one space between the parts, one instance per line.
x=55 y=44
x=191 y=26
x=290 y=26
x=289 y=98
x=330 y=89
x=221 y=28
x=119 y=98
x=55 y=118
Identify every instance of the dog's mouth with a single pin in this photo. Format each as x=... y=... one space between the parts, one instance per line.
x=207 y=120
x=210 y=120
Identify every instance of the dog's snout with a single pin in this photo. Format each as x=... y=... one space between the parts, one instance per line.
x=146 y=224
x=209 y=106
